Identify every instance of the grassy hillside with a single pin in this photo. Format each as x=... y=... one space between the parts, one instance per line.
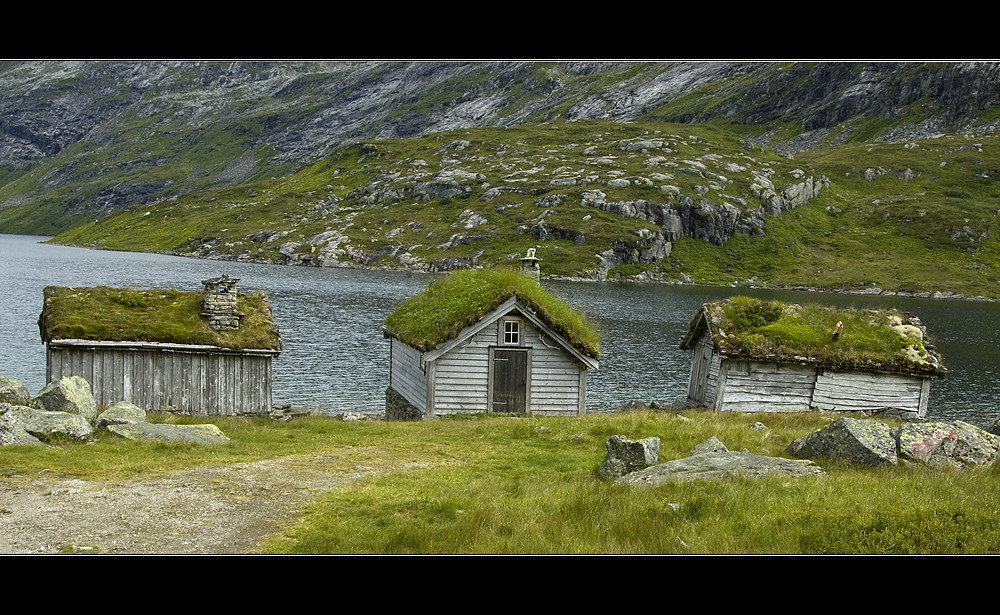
x=424 y=192
x=915 y=217
x=900 y=217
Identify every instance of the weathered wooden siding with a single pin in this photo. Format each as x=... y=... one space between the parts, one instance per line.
x=558 y=381
x=862 y=391
x=701 y=384
x=461 y=376
x=406 y=374
x=194 y=382
x=748 y=386
x=764 y=387
x=712 y=388
x=460 y=379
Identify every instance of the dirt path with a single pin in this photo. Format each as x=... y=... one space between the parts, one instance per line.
x=214 y=509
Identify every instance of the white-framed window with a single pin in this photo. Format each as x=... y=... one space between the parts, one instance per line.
x=511 y=333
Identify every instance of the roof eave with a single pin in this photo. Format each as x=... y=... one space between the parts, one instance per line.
x=801 y=360
x=159 y=346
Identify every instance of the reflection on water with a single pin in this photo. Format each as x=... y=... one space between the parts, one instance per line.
x=336 y=359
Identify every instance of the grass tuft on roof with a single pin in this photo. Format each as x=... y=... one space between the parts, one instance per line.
x=155 y=315
x=887 y=340
x=462 y=298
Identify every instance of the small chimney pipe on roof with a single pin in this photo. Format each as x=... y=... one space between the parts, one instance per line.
x=530 y=267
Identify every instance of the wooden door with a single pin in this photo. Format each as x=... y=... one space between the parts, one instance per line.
x=510 y=378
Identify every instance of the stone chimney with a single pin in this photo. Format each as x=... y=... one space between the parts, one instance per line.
x=219 y=303
x=530 y=267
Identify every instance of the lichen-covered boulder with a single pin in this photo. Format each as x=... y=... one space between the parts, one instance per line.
x=957 y=444
x=120 y=414
x=625 y=456
x=196 y=434
x=47 y=422
x=712 y=445
x=720 y=464
x=13 y=392
x=69 y=394
x=14 y=434
x=853 y=441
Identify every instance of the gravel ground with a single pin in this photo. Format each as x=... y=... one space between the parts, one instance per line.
x=215 y=509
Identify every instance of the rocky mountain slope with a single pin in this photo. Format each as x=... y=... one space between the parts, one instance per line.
x=595 y=195
x=767 y=173
x=81 y=139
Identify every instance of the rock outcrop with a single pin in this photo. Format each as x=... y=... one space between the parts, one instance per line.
x=12 y=433
x=13 y=392
x=70 y=394
x=854 y=441
x=121 y=413
x=195 y=434
x=625 y=456
x=956 y=444
x=303 y=110
x=710 y=460
x=21 y=424
x=862 y=442
x=48 y=422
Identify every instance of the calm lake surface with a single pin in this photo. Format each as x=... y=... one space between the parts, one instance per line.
x=336 y=359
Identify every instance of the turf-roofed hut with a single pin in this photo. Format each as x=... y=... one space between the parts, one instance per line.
x=488 y=341
x=767 y=356
x=195 y=352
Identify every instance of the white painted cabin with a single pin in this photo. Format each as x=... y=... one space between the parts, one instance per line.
x=795 y=384
x=510 y=361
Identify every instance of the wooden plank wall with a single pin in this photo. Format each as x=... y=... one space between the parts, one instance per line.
x=712 y=387
x=862 y=391
x=461 y=376
x=406 y=375
x=747 y=386
x=558 y=381
x=196 y=383
x=772 y=387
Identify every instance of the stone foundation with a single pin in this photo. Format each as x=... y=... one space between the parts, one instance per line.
x=398 y=409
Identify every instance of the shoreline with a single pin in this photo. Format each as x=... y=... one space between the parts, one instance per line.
x=640 y=279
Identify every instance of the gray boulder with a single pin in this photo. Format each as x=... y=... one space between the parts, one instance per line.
x=853 y=441
x=196 y=434
x=47 y=422
x=712 y=445
x=119 y=414
x=957 y=444
x=706 y=462
x=625 y=456
x=13 y=434
x=13 y=392
x=69 y=394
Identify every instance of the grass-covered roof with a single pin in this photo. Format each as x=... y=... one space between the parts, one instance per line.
x=155 y=315
x=462 y=298
x=885 y=340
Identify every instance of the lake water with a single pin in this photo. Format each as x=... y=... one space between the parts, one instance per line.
x=336 y=359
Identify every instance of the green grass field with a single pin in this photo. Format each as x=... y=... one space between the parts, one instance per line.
x=529 y=485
